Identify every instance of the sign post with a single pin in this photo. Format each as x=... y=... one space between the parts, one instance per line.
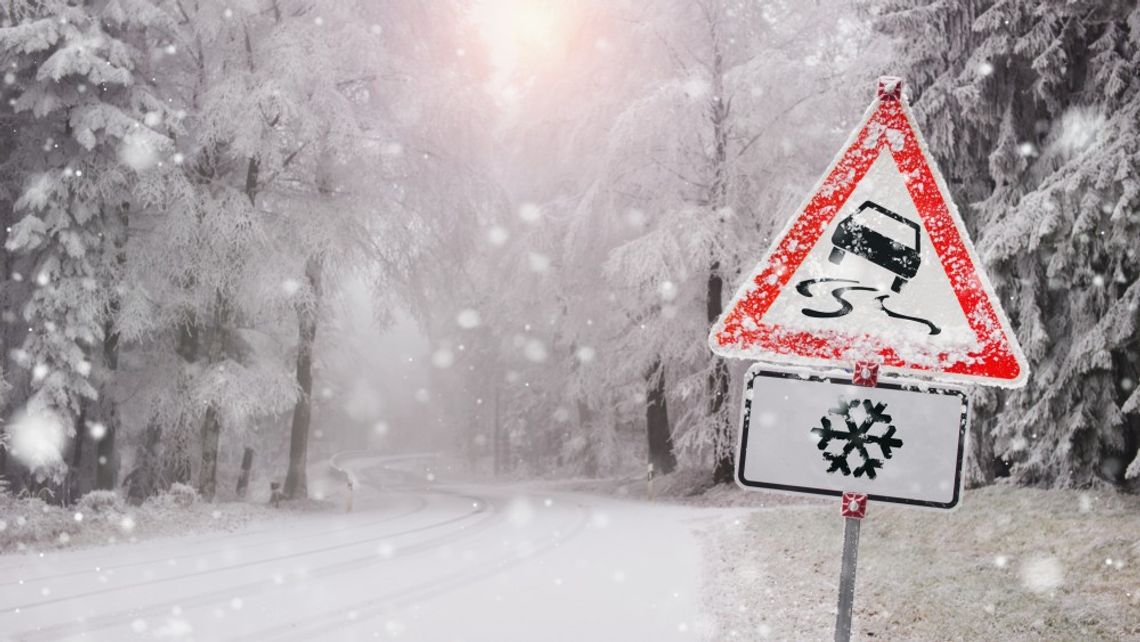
x=875 y=269
x=847 y=577
x=853 y=508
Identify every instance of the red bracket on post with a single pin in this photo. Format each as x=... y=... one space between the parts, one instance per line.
x=866 y=374
x=854 y=505
x=890 y=88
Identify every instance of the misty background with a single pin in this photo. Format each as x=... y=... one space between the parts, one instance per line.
x=498 y=230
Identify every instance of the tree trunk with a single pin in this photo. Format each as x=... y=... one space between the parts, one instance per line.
x=208 y=474
x=6 y=361
x=718 y=200
x=212 y=422
x=657 y=423
x=718 y=384
x=106 y=465
x=106 y=410
x=73 y=479
x=246 y=467
x=718 y=389
x=586 y=427
x=296 y=484
x=175 y=465
x=143 y=481
x=982 y=465
x=497 y=437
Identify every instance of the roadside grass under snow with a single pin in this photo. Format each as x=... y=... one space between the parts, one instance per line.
x=29 y=524
x=101 y=517
x=1009 y=564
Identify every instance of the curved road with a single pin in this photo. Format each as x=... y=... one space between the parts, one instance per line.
x=426 y=563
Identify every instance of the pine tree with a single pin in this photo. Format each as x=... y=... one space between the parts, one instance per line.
x=1033 y=111
x=85 y=120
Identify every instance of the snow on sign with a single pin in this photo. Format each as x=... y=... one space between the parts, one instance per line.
x=896 y=442
x=877 y=266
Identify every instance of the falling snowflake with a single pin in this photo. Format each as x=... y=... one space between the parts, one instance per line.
x=857 y=437
x=468 y=319
x=530 y=213
x=585 y=354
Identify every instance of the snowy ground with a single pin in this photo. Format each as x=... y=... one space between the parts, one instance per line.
x=1010 y=564
x=413 y=563
x=526 y=562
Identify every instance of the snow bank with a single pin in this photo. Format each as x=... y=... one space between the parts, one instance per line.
x=102 y=517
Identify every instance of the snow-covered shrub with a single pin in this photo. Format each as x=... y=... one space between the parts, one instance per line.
x=30 y=522
x=177 y=496
x=183 y=495
x=100 y=502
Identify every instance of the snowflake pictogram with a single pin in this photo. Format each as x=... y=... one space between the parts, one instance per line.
x=857 y=437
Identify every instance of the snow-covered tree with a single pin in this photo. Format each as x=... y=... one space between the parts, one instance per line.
x=206 y=288
x=314 y=172
x=1033 y=110
x=77 y=89
x=647 y=154
x=684 y=213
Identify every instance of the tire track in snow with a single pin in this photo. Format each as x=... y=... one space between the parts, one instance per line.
x=291 y=555
x=219 y=596
x=379 y=606
x=419 y=501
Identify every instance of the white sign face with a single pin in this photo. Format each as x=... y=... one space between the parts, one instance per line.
x=895 y=442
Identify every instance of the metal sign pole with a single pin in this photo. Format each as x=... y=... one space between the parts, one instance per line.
x=853 y=507
x=847 y=579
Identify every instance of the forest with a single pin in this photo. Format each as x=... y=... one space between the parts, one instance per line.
x=215 y=212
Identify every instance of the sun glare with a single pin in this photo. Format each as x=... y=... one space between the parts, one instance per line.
x=518 y=30
x=525 y=23
x=531 y=24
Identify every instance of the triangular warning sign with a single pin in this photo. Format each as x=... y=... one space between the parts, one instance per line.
x=876 y=266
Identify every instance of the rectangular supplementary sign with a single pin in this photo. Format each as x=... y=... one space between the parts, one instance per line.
x=900 y=442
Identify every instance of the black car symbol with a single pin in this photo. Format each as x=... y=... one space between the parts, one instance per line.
x=854 y=236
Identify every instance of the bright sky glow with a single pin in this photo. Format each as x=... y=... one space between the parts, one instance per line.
x=518 y=33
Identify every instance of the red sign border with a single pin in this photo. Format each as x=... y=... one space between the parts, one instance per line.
x=999 y=362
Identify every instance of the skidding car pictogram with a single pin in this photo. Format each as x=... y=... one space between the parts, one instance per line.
x=855 y=236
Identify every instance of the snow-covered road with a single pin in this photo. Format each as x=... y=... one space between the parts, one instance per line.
x=444 y=563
